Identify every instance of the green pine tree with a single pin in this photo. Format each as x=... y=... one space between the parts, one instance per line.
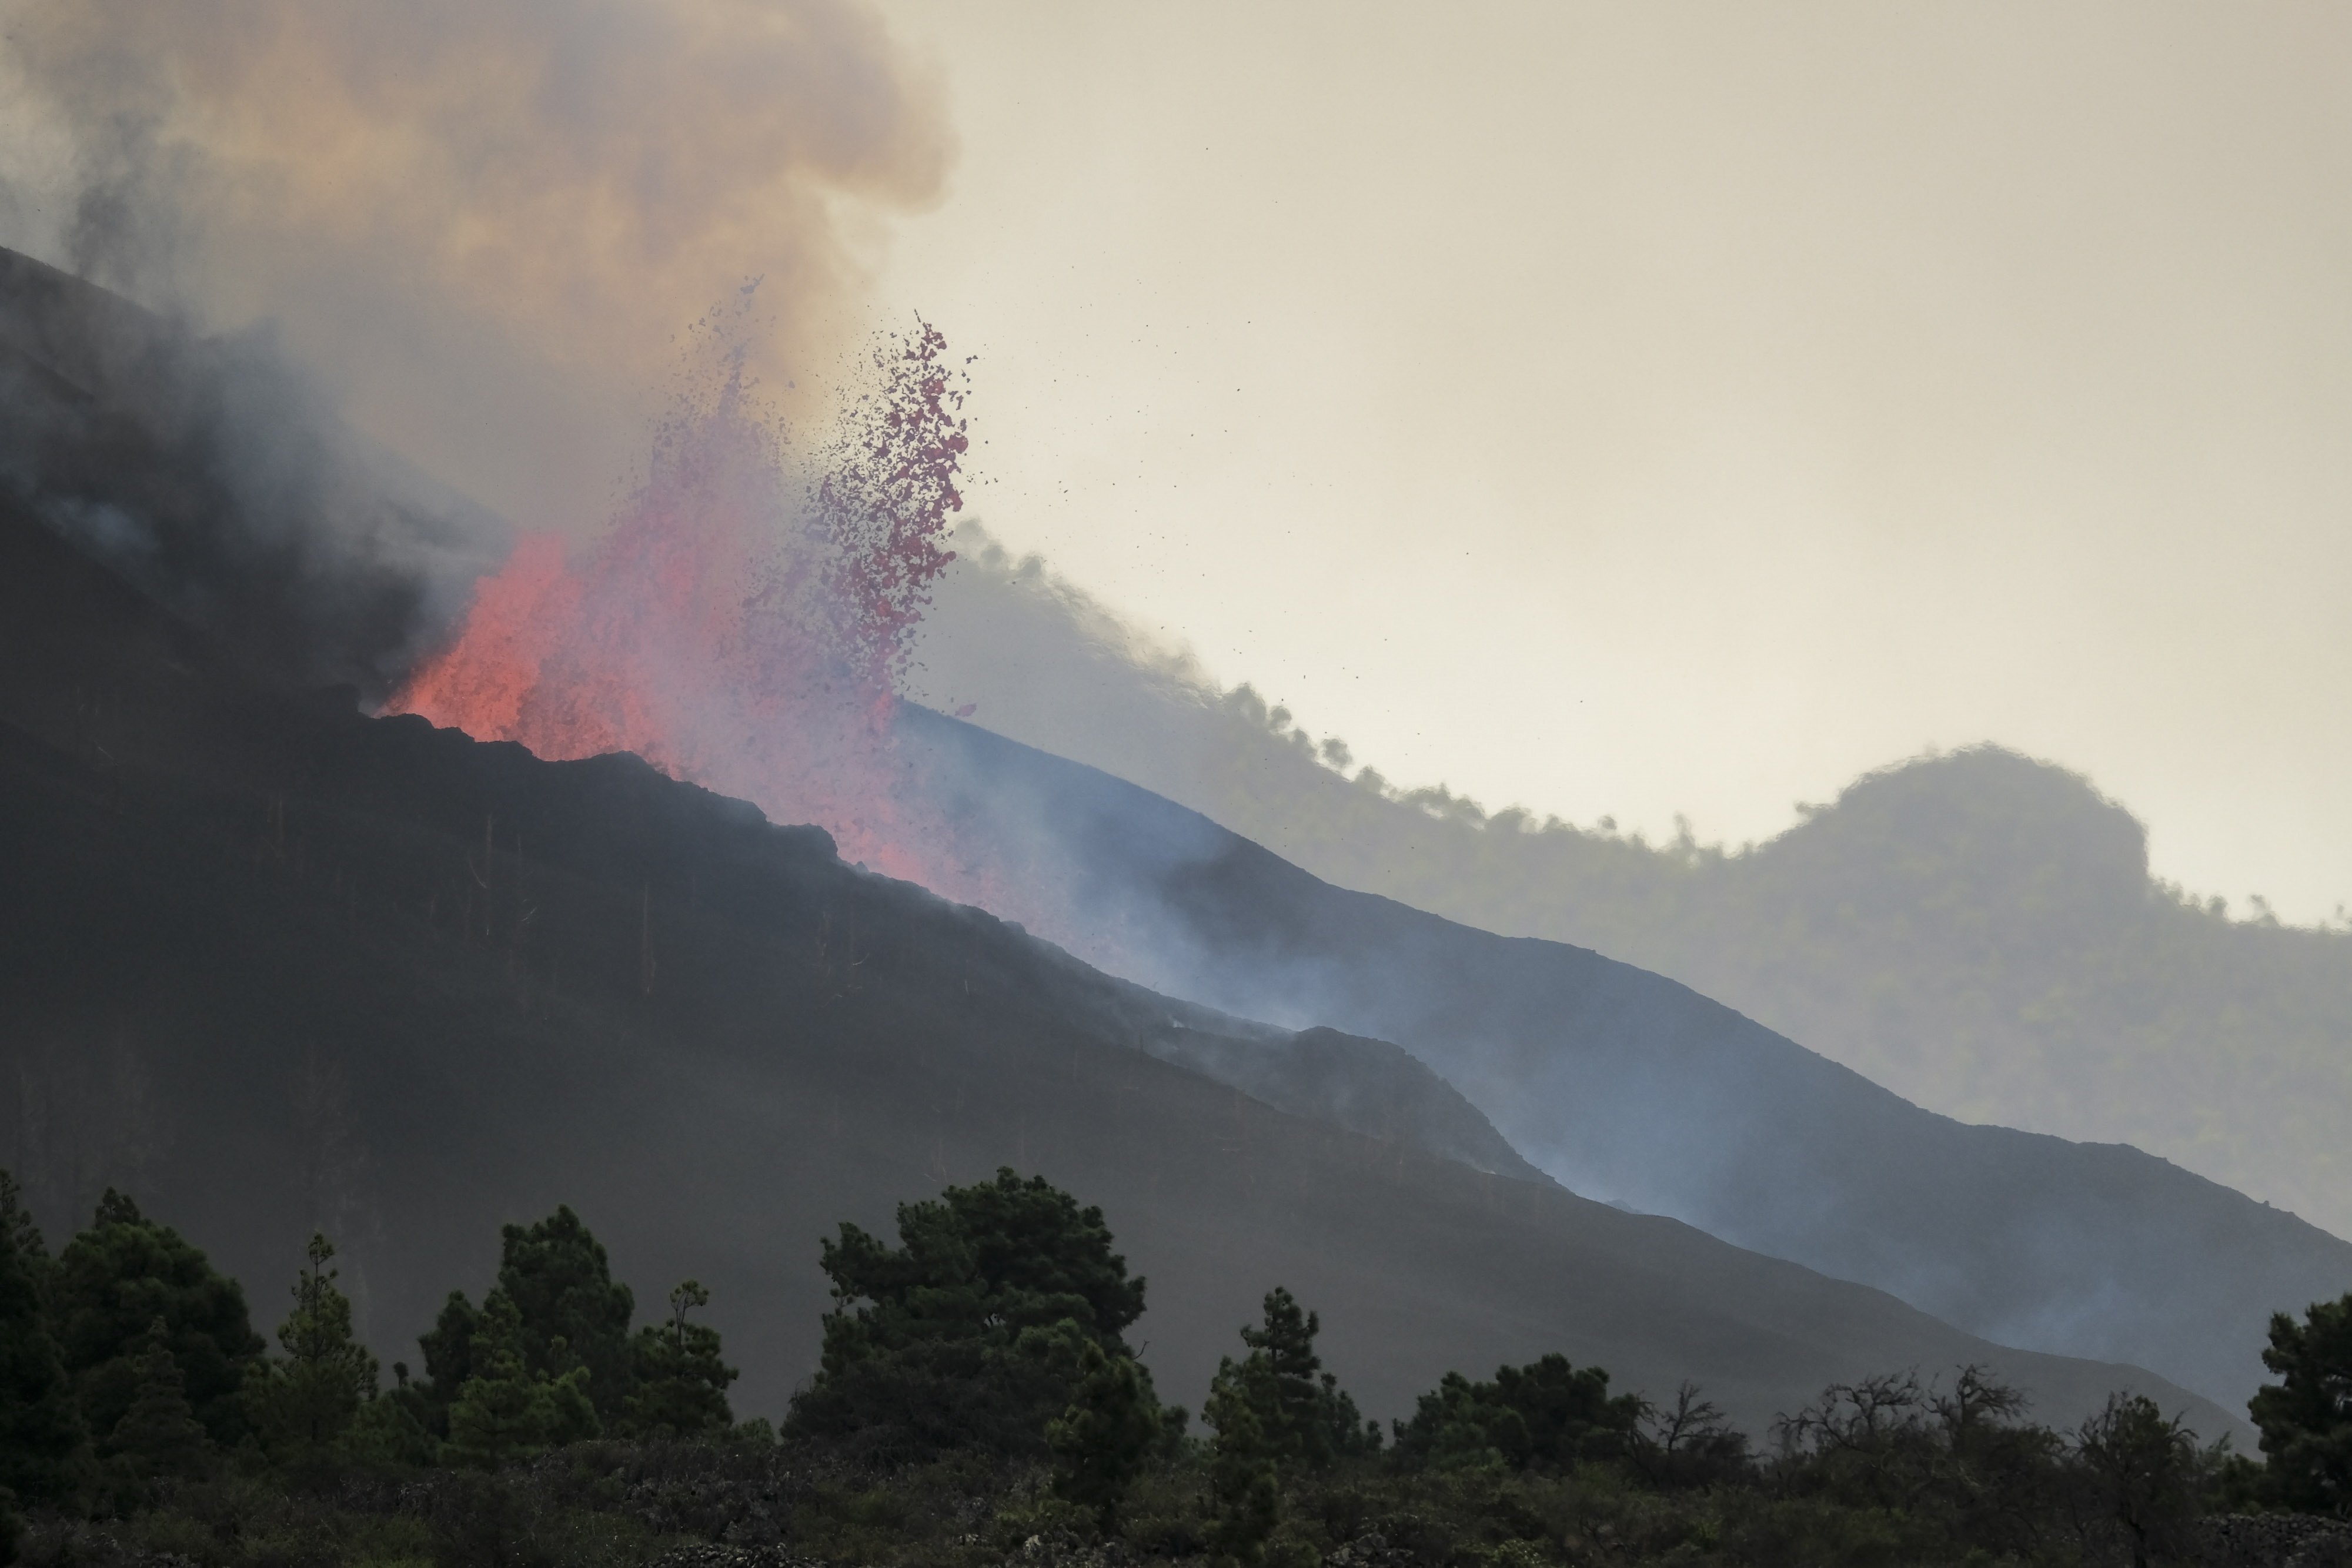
x=449 y=1348
x=2306 y=1417
x=1110 y=1428
x=505 y=1410
x=17 y=1221
x=681 y=1382
x=1548 y=1413
x=1244 y=1486
x=569 y=1311
x=1304 y=1418
x=966 y=1333
x=157 y=1434
x=302 y=1404
x=42 y=1439
x=1275 y=1411
x=393 y=1429
x=111 y=1281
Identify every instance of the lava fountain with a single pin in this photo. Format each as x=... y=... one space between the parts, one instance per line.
x=735 y=627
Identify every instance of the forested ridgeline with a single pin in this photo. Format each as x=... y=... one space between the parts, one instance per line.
x=1978 y=931
x=980 y=1399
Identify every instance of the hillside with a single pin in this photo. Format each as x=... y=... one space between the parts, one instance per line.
x=218 y=478
x=270 y=964
x=1976 y=931
x=1628 y=1086
x=72 y=687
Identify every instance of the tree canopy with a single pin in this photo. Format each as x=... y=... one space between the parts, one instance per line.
x=505 y=1410
x=973 y=1329
x=681 y=1381
x=159 y=1434
x=303 y=1404
x=991 y=1336
x=2306 y=1417
x=40 y=1426
x=118 y=1277
x=569 y=1310
x=1546 y=1412
x=1275 y=1412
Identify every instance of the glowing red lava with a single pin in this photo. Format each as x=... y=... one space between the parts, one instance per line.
x=734 y=627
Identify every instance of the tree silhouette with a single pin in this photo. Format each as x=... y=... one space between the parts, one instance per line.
x=2306 y=1417
x=303 y=1404
x=507 y=1411
x=157 y=1434
x=681 y=1382
x=41 y=1432
x=2139 y=1474
x=112 y=1281
x=569 y=1311
x=1104 y=1435
x=972 y=1330
x=447 y=1347
x=1274 y=1411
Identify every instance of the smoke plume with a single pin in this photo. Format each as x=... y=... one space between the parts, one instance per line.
x=492 y=217
x=738 y=626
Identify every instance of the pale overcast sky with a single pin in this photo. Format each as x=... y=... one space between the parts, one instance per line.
x=1661 y=407
x=1614 y=410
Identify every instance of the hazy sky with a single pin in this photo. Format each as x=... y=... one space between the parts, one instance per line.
x=1665 y=407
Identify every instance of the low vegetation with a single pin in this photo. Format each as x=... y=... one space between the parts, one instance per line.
x=978 y=1402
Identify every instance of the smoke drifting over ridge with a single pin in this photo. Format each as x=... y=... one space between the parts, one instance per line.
x=1978 y=931
x=490 y=219
x=206 y=471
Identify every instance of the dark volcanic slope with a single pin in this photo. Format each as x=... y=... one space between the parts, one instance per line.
x=1365 y=1085
x=210 y=474
x=1628 y=1086
x=273 y=965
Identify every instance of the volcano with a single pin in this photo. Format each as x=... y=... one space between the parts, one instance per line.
x=270 y=964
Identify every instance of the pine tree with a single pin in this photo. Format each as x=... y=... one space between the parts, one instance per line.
x=1245 y=1488
x=17 y=1221
x=1274 y=1411
x=1548 y=1413
x=41 y=1434
x=1103 y=1438
x=392 y=1430
x=966 y=1333
x=159 y=1434
x=2306 y=1417
x=569 y=1311
x=107 y=1284
x=681 y=1382
x=449 y=1348
x=1303 y=1415
x=303 y=1404
x=505 y=1410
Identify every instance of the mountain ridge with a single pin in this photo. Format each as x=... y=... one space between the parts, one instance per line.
x=2153 y=1019
x=271 y=964
x=1630 y=1086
